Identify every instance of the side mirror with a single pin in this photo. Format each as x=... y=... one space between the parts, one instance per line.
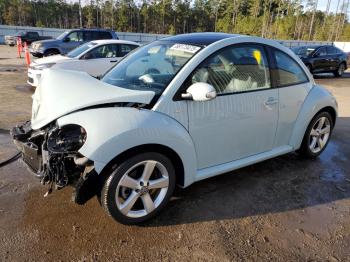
x=67 y=39
x=200 y=92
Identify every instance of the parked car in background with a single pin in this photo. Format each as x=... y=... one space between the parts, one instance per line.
x=223 y=102
x=323 y=59
x=94 y=57
x=26 y=37
x=68 y=41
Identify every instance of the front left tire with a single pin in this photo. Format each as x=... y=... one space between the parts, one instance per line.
x=138 y=188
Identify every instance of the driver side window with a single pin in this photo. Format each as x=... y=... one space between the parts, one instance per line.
x=104 y=51
x=235 y=69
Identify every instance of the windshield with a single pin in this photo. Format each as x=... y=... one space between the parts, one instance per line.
x=303 y=51
x=80 y=49
x=63 y=35
x=151 y=67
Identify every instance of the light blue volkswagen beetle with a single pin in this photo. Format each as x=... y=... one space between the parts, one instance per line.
x=175 y=111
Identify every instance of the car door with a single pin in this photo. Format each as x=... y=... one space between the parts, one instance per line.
x=293 y=86
x=72 y=40
x=320 y=60
x=333 y=57
x=242 y=120
x=98 y=60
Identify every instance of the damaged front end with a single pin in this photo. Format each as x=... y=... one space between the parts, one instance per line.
x=51 y=154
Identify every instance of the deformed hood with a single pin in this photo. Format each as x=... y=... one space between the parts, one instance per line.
x=61 y=92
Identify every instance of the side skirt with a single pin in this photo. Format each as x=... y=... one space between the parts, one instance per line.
x=236 y=164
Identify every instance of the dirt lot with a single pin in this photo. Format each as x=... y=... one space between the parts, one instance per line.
x=284 y=209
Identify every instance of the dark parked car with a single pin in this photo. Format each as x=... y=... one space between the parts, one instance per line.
x=26 y=37
x=323 y=59
x=68 y=41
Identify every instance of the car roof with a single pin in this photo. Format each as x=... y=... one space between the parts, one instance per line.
x=113 y=41
x=200 y=39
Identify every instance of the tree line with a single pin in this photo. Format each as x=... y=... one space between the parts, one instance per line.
x=279 y=19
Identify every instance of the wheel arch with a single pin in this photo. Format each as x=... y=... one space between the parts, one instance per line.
x=132 y=131
x=158 y=148
x=319 y=99
x=52 y=49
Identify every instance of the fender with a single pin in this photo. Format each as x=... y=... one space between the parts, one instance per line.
x=317 y=99
x=111 y=131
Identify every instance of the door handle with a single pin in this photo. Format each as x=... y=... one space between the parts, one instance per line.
x=113 y=61
x=271 y=101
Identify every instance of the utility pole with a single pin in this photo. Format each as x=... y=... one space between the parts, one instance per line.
x=112 y=7
x=80 y=19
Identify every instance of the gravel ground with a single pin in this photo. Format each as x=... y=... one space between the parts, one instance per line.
x=284 y=209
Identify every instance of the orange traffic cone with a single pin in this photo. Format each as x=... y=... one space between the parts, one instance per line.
x=19 y=47
x=26 y=54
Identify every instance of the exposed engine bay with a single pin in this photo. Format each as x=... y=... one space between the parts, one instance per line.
x=52 y=155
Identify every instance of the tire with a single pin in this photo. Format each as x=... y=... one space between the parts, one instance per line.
x=51 y=52
x=339 y=72
x=116 y=196
x=307 y=149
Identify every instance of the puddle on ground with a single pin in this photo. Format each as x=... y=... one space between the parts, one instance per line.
x=330 y=159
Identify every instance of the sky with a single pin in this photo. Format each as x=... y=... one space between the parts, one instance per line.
x=322 y=4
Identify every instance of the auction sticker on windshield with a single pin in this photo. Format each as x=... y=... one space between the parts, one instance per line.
x=186 y=48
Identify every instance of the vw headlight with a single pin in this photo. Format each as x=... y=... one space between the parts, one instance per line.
x=69 y=138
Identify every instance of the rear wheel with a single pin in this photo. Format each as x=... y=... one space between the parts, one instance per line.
x=138 y=188
x=317 y=135
x=340 y=71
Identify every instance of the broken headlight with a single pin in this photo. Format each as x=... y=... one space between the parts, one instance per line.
x=69 y=138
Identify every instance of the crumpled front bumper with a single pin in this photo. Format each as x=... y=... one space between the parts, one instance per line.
x=31 y=152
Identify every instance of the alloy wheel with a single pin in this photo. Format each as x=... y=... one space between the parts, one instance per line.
x=142 y=188
x=319 y=134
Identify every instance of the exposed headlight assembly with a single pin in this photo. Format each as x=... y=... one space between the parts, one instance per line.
x=67 y=139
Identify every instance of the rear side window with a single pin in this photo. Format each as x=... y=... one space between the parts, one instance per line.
x=288 y=71
x=332 y=50
x=104 y=35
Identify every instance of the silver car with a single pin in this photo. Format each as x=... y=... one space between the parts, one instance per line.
x=173 y=112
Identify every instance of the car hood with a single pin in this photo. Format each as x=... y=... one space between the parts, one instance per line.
x=48 y=41
x=61 y=92
x=50 y=59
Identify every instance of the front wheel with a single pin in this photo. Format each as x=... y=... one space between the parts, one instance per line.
x=317 y=135
x=138 y=188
